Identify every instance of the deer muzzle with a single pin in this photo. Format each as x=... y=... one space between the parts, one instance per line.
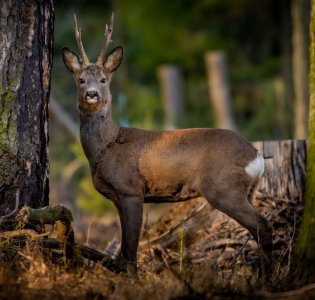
x=92 y=96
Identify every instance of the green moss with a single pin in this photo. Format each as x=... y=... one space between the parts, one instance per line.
x=8 y=134
x=8 y=124
x=304 y=256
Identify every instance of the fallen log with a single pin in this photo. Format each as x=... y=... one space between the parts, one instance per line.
x=57 y=215
x=115 y=265
x=43 y=215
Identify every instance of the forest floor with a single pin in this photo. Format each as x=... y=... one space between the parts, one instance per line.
x=190 y=252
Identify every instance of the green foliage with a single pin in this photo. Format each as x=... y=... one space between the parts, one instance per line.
x=142 y=109
x=179 y=32
x=90 y=201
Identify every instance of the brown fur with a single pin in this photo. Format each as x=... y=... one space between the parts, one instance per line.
x=132 y=166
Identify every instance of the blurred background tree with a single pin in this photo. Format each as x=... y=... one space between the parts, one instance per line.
x=256 y=37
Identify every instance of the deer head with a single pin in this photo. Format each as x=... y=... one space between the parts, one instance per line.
x=93 y=79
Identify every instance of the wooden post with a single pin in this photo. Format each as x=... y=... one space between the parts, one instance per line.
x=219 y=89
x=172 y=93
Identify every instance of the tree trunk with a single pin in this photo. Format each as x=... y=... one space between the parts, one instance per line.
x=219 y=89
x=26 y=39
x=172 y=94
x=300 y=41
x=304 y=255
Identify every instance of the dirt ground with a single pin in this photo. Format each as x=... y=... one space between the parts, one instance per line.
x=187 y=251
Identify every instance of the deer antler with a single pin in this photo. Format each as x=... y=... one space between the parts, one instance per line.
x=83 y=55
x=107 y=39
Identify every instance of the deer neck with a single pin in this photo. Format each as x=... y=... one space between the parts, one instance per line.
x=97 y=132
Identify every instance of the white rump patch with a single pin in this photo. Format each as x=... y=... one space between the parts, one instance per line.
x=256 y=167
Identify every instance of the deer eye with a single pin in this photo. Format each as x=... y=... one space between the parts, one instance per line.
x=103 y=80
x=81 y=81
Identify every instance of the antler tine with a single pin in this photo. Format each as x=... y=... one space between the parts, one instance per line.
x=83 y=55
x=107 y=39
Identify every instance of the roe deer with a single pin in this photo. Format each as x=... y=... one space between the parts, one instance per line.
x=134 y=166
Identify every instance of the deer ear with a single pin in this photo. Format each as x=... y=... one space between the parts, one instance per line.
x=71 y=60
x=113 y=59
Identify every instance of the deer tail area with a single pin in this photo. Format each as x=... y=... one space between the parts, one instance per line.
x=255 y=169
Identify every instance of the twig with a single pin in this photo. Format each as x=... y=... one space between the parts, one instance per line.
x=223 y=232
x=290 y=243
x=28 y=232
x=88 y=234
x=288 y=249
x=113 y=247
x=220 y=243
x=291 y=293
x=273 y=198
x=240 y=251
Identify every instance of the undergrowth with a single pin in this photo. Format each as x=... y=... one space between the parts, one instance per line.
x=35 y=274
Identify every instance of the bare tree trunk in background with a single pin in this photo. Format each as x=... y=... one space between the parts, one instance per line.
x=172 y=93
x=300 y=22
x=219 y=89
x=26 y=39
x=286 y=49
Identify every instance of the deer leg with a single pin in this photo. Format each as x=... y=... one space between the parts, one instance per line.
x=131 y=221
x=236 y=206
x=122 y=226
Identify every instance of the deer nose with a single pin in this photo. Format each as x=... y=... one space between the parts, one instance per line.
x=91 y=95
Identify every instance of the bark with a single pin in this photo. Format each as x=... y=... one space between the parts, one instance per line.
x=26 y=38
x=304 y=255
x=285 y=170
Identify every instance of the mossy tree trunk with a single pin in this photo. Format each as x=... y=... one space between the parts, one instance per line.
x=26 y=38
x=304 y=255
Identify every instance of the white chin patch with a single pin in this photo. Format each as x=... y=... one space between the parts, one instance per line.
x=91 y=100
x=256 y=167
